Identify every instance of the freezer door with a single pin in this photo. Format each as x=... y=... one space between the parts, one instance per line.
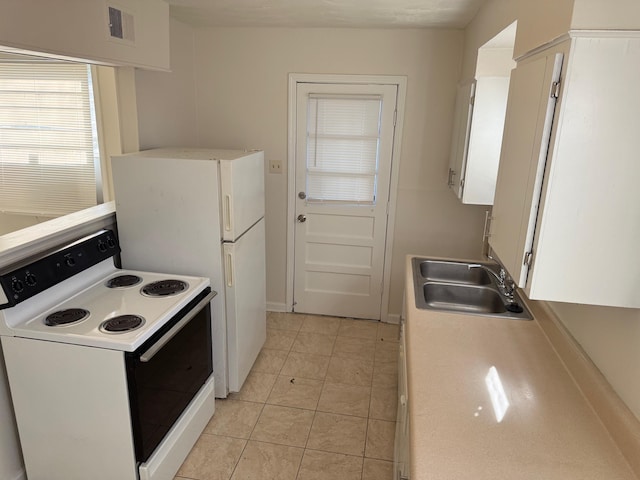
x=241 y=194
x=245 y=292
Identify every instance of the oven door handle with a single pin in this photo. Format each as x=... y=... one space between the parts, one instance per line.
x=155 y=348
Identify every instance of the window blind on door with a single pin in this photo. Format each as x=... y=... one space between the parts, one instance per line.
x=48 y=138
x=343 y=137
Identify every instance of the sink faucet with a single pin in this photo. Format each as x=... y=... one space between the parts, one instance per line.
x=505 y=285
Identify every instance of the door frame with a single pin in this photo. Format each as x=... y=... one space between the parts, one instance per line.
x=401 y=83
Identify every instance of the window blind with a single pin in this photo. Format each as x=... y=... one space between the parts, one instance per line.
x=343 y=137
x=48 y=138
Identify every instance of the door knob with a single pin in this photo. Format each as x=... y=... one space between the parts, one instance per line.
x=302 y=195
x=302 y=218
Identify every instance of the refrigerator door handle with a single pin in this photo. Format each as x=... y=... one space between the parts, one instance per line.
x=229 y=269
x=227 y=213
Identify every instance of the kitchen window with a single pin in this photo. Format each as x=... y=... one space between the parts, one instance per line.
x=49 y=150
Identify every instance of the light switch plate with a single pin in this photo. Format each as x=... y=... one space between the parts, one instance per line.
x=275 y=166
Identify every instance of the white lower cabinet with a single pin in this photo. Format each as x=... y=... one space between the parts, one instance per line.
x=401 y=462
x=566 y=216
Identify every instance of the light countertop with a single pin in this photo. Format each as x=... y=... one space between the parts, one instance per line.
x=548 y=431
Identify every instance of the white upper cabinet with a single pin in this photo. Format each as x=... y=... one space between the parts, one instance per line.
x=479 y=121
x=566 y=217
x=460 y=136
x=485 y=138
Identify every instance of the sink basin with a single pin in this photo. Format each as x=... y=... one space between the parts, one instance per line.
x=451 y=286
x=454 y=272
x=462 y=298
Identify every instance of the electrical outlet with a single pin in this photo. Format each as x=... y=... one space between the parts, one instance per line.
x=275 y=166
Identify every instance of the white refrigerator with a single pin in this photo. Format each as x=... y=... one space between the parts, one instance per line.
x=201 y=212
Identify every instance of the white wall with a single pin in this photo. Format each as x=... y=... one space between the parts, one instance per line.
x=242 y=77
x=606 y=14
x=79 y=28
x=539 y=21
x=167 y=101
x=610 y=336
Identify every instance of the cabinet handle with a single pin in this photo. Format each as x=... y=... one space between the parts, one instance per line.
x=450 y=180
x=486 y=233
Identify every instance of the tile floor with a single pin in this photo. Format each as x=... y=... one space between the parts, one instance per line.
x=320 y=403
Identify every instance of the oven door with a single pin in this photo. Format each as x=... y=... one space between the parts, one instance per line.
x=167 y=372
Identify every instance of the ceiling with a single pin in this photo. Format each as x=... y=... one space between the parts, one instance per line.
x=326 y=13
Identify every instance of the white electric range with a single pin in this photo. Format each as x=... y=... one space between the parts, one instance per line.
x=110 y=370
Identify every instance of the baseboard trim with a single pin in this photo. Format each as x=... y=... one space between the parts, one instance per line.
x=391 y=318
x=277 y=307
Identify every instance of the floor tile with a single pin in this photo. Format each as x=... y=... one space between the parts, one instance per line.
x=384 y=403
x=338 y=434
x=380 y=437
x=388 y=332
x=351 y=347
x=350 y=371
x=256 y=388
x=386 y=352
x=269 y=361
x=345 y=399
x=283 y=425
x=305 y=365
x=330 y=466
x=385 y=374
x=212 y=458
x=358 y=328
x=305 y=423
x=280 y=339
x=315 y=343
x=234 y=418
x=321 y=324
x=284 y=321
x=296 y=392
x=377 y=469
x=265 y=461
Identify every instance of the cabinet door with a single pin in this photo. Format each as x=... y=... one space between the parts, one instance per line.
x=485 y=139
x=460 y=136
x=588 y=230
x=528 y=121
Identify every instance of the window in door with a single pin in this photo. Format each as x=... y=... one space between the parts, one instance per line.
x=343 y=139
x=49 y=153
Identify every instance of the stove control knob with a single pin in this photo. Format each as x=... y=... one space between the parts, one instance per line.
x=70 y=262
x=102 y=246
x=31 y=279
x=17 y=285
x=111 y=242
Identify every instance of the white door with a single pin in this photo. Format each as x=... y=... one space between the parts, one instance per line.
x=344 y=144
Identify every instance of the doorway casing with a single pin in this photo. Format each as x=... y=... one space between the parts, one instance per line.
x=294 y=80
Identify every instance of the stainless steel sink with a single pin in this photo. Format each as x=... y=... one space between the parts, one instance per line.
x=443 y=296
x=454 y=287
x=453 y=272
